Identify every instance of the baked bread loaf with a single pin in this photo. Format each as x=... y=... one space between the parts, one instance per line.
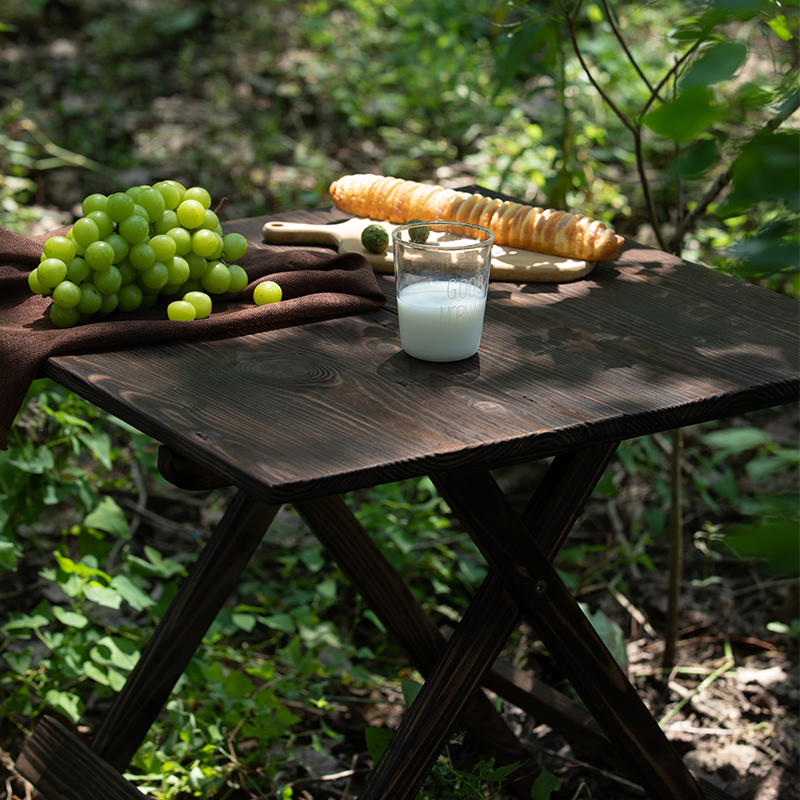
x=514 y=225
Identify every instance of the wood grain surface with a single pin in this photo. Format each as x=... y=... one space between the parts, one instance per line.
x=646 y=343
x=64 y=768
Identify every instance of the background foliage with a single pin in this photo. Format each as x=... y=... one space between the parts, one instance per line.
x=673 y=121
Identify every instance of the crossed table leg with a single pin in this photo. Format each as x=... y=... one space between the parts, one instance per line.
x=452 y=688
x=519 y=554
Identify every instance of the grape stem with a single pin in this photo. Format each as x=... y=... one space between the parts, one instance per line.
x=221 y=205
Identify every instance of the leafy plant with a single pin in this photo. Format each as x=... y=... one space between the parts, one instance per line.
x=696 y=119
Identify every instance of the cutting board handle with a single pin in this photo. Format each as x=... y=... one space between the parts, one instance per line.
x=276 y=232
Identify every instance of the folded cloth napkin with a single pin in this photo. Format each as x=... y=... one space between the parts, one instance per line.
x=315 y=287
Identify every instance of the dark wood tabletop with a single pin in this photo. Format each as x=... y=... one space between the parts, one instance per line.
x=645 y=343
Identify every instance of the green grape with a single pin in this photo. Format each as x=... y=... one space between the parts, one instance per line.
x=197 y=265
x=91 y=299
x=51 y=272
x=127 y=271
x=135 y=191
x=239 y=279
x=120 y=244
x=105 y=225
x=211 y=221
x=134 y=229
x=198 y=193
x=178 y=185
x=193 y=285
x=183 y=240
x=142 y=256
x=171 y=289
x=64 y=317
x=94 y=202
x=99 y=255
x=204 y=243
x=170 y=192
x=191 y=213
x=178 y=269
x=163 y=246
x=169 y=219
x=217 y=254
x=155 y=278
x=60 y=247
x=85 y=231
x=107 y=281
x=216 y=279
x=141 y=211
x=67 y=294
x=267 y=292
x=201 y=302
x=148 y=300
x=109 y=303
x=152 y=201
x=120 y=206
x=181 y=310
x=78 y=270
x=130 y=297
x=34 y=285
x=234 y=246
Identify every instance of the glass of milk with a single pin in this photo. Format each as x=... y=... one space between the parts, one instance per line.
x=442 y=284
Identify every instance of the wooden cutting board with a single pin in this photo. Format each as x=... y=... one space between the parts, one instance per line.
x=507 y=264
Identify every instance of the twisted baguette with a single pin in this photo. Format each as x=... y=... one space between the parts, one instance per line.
x=515 y=225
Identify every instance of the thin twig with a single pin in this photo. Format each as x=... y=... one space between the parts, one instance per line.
x=63 y=156
x=621 y=39
x=717 y=673
x=675 y=549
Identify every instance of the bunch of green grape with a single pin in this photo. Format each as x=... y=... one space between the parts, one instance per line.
x=131 y=247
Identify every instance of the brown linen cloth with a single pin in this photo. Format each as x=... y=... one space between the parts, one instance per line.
x=315 y=287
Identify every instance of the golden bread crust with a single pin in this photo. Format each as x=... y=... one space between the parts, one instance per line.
x=514 y=225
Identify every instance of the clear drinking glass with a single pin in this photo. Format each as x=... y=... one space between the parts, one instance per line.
x=442 y=284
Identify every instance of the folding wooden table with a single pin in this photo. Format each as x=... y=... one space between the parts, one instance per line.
x=643 y=344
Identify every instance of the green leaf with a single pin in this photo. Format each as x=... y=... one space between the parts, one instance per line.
x=735 y=440
x=19 y=662
x=545 y=784
x=410 y=690
x=10 y=552
x=237 y=685
x=24 y=622
x=245 y=622
x=776 y=542
x=68 y=703
x=103 y=595
x=718 y=63
x=377 y=741
x=698 y=159
x=70 y=618
x=610 y=632
x=279 y=622
x=131 y=593
x=781 y=28
x=683 y=118
x=114 y=651
x=99 y=445
x=767 y=168
x=109 y=517
x=156 y=564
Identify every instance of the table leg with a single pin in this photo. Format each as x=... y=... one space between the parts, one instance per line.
x=388 y=596
x=485 y=627
x=201 y=595
x=524 y=568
